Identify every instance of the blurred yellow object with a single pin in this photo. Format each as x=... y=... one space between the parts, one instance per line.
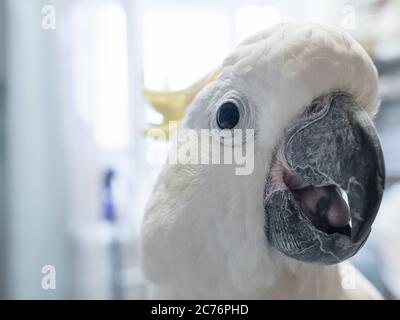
x=172 y=105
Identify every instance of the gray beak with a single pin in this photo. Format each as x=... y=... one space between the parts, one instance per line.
x=333 y=148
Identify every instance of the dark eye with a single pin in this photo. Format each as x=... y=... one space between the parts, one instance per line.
x=228 y=115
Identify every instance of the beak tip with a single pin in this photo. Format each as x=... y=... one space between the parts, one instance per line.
x=359 y=235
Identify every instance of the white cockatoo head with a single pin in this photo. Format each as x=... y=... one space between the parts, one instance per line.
x=308 y=92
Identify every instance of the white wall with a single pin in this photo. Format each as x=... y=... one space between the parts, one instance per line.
x=3 y=236
x=36 y=185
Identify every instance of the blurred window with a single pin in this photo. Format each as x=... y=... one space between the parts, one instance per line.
x=101 y=71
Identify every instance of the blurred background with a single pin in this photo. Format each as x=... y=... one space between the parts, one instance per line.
x=74 y=169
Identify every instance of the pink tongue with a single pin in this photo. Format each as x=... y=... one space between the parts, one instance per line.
x=324 y=203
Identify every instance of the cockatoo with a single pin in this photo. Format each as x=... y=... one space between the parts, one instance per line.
x=308 y=92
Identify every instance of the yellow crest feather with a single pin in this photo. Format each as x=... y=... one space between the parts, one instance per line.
x=173 y=105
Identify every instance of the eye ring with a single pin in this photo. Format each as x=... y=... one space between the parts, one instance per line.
x=236 y=109
x=228 y=115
